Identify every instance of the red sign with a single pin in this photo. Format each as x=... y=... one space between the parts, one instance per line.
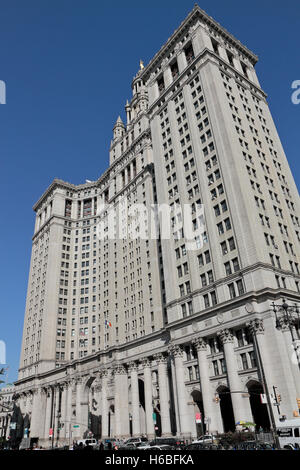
x=50 y=432
x=198 y=417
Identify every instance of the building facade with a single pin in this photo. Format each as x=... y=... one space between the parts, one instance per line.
x=130 y=331
x=6 y=410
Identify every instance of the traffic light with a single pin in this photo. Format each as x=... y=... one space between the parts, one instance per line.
x=298 y=403
x=217 y=398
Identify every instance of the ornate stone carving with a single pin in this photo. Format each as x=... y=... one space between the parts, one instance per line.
x=225 y=336
x=200 y=344
x=284 y=325
x=103 y=373
x=132 y=366
x=119 y=369
x=146 y=362
x=256 y=326
x=160 y=358
x=175 y=350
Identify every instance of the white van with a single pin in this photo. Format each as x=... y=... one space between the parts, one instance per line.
x=289 y=432
x=87 y=442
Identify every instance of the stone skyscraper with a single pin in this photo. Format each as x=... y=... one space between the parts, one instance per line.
x=135 y=335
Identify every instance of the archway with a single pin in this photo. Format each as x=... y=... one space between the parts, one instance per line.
x=88 y=421
x=259 y=410
x=226 y=408
x=198 y=408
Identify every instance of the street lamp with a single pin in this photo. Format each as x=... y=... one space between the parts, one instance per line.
x=284 y=313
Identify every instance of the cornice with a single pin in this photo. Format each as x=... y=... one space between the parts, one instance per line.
x=102 y=180
x=196 y=13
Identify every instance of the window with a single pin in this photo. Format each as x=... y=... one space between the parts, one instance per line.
x=216 y=367
x=189 y=54
x=174 y=70
x=223 y=366
x=227 y=268
x=240 y=287
x=161 y=84
x=252 y=359
x=231 y=290
x=235 y=263
x=244 y=361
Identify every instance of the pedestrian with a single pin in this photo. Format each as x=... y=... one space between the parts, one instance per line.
x=101 y=446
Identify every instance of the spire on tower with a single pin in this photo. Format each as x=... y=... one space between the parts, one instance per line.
x=118 y=129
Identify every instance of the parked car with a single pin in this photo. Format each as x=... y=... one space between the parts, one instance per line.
x=135 y=440
x=206 y=439
x=195 y=446
x=155 y=447
x=170 y=441
x=87 y=442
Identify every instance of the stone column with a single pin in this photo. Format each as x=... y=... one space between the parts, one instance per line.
x=146 y=364
x=184 y=421
x=104 y=404
x=64 y=397
x=68 y=410
x=241 y=405
x=78 y=432
x=237 y=64
x=291 y=362
x=56 y=412
x=121 y=402
x=164 y=395
x=135 y=399
x=256 y=328
x=48 y=393
x=37 y=423
x=222 y=52
x=168 y=79
x=212 y=410
x=283 y=372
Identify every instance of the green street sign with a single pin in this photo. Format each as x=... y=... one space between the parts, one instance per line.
x=76 y=426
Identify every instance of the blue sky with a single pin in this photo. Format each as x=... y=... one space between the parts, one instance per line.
x=68 y=67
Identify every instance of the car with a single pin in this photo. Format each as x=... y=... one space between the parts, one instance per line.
x=87 y=442
x=206 y=439
x=135 y=440
x=129 y=446
x=289 y=446
x=170 y=441
x=156 y=447
x=195 y=446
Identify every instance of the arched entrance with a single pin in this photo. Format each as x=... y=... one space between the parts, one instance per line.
x=259 y=410
x=86 y=416
x=198 y=408
x=226 y=409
